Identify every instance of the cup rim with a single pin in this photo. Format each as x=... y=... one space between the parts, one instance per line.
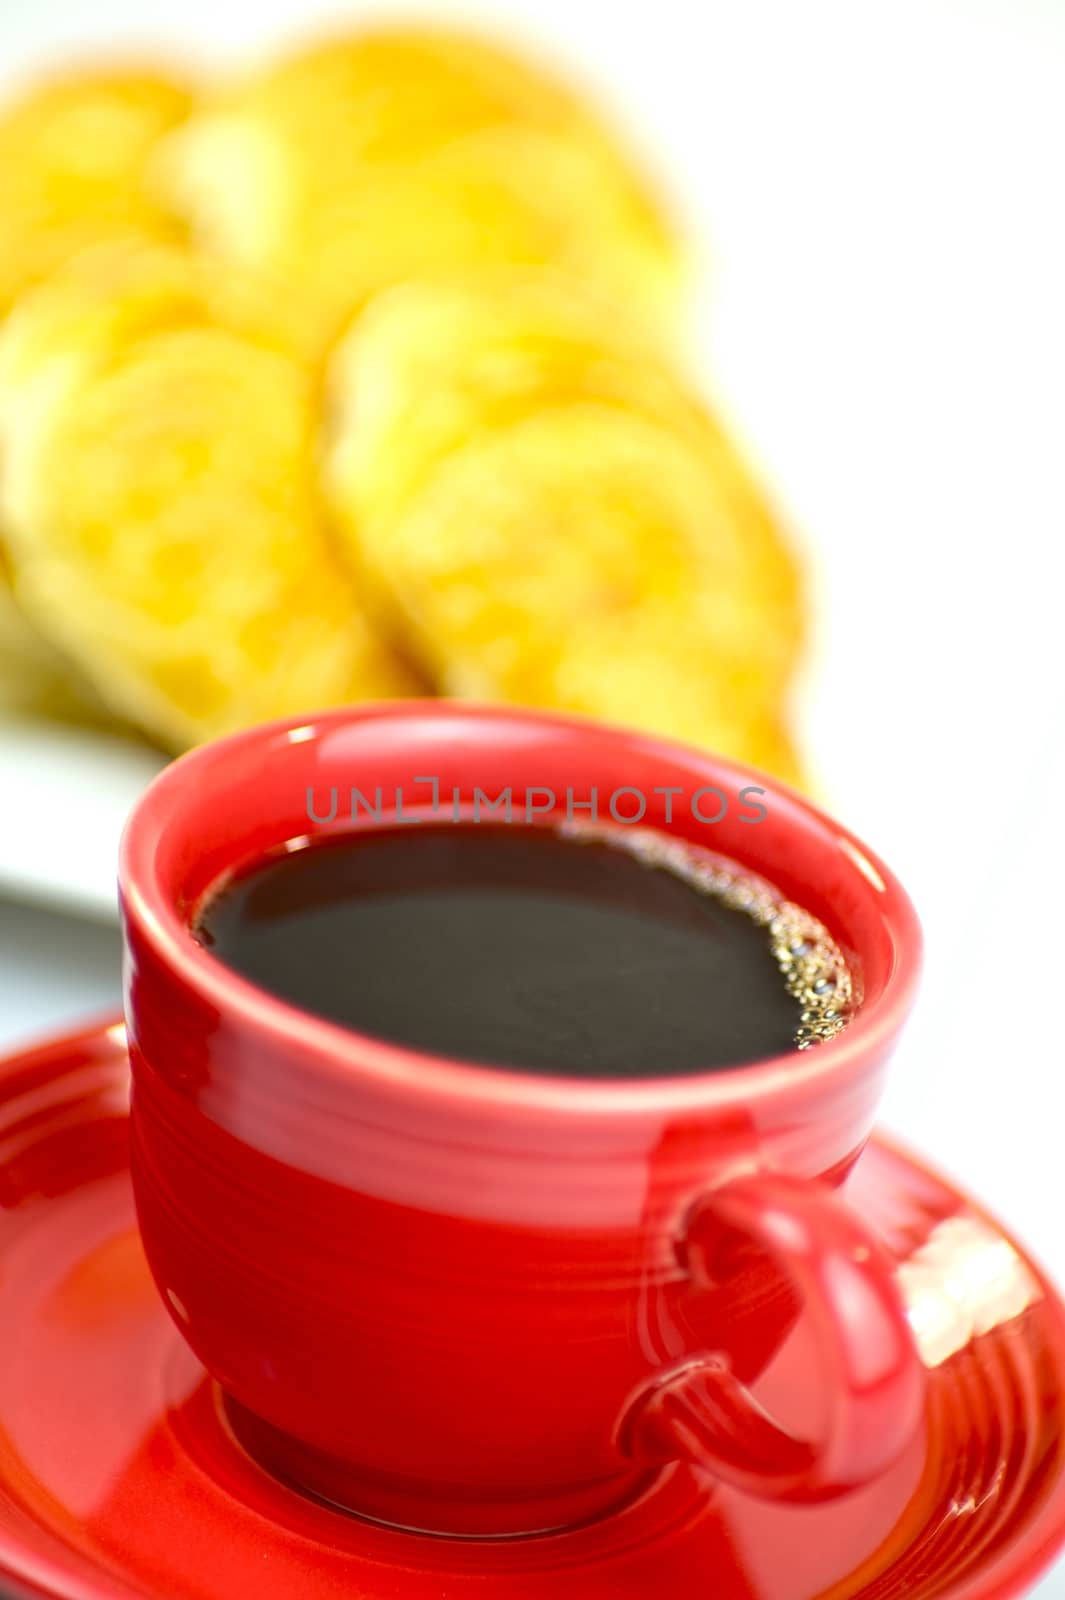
x=343 y=1053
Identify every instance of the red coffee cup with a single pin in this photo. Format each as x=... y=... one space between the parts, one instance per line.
x=478 y=1301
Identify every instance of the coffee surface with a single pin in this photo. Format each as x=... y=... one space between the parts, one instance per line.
x=508 y=945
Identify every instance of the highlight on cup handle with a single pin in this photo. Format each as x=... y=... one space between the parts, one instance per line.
x=698 y=1410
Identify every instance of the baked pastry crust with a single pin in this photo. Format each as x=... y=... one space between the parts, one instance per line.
x=161 y=497
x=393 y=152
x=556 y=519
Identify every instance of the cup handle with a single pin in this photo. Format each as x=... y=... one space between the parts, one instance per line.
x=699 y=1411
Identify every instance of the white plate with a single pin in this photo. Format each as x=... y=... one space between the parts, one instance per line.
x=64 y=796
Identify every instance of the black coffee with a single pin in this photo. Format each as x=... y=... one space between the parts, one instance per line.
x=518 y=946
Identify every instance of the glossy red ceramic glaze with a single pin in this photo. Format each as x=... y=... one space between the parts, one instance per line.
x=121 y=1480
x=454 y=1297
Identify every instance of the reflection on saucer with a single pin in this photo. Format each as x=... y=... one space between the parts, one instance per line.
x=118 y=1474
x=965 y=1280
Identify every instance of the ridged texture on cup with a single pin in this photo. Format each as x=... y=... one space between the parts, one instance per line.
x=554 y=517
x=976 y=1508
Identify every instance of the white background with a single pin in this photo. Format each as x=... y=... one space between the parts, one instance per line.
x=879 y=191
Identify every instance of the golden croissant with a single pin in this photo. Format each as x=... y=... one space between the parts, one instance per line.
x=74 y=151
x=555 y=519
x=160 y=495
x=381 y=155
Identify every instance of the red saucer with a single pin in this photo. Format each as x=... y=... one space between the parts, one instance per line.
x=118 y=1477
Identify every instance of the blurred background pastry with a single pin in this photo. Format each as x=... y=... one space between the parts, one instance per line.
x=354 y=163
x=74 y=151
x=160 y=496
x=74 y=154
x=36 y=679
x=354 y=376
x=555 y=518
